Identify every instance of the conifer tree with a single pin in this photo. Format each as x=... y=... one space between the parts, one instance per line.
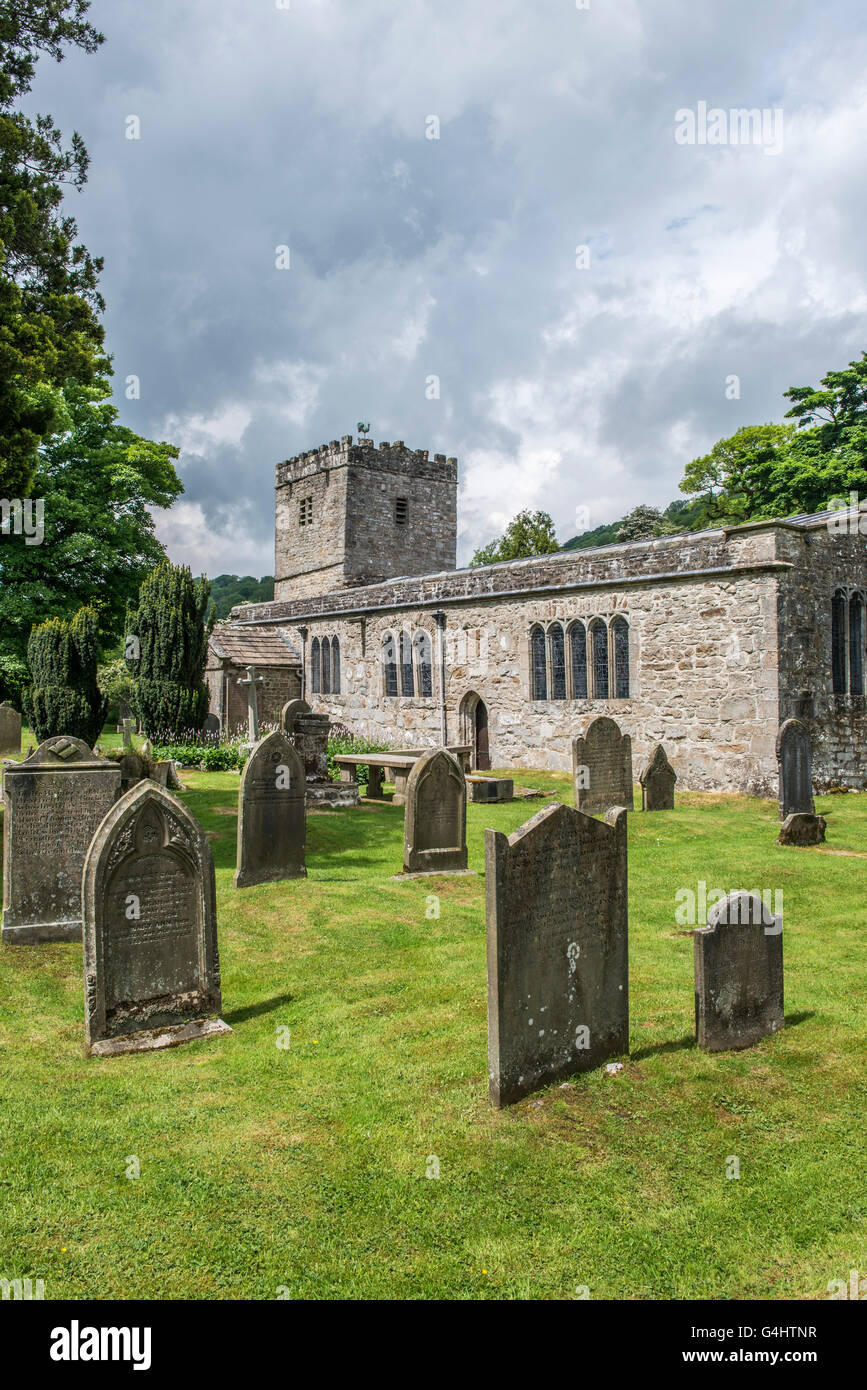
x=64 y=697
x=167 y=647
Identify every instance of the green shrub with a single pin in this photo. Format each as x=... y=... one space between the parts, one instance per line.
x=64 y=697
x=341 y=739
x=171 y=626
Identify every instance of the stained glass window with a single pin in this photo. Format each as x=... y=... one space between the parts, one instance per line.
x=314 y=666
x=599 y=646
x=326 y=666
x=335 y=666
x=538 y=673
x=389 y=662
x=856 y=645
x=423 y=664
x=578 y=651
x=557 y=648
x=406 y=681
x=620 y=630
x=838 y=642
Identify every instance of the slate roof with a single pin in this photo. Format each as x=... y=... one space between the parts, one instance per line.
x=245 y=646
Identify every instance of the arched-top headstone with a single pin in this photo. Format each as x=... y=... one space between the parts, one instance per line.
x=10 y=731
x=795 y=763
x=53 y=803
x=435 y=825
x=602 y=768
x=738 y=959
x=557 y=928
x=290 y=713
x=657 y=782
x=272 y=813
x=151 y=962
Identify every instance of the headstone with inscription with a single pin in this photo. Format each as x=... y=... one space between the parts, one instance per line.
x=151 y=962
x=602 y=768
x=738 y=974
x=272 y=813
x=435 y=823
x=557 y=924
x=53 y=803
x=795 y=763
x=10 y=731
x=657 y=782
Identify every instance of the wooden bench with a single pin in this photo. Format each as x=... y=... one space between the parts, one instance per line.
x=400 y=764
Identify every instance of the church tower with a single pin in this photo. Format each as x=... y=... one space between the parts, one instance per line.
x=351 y=514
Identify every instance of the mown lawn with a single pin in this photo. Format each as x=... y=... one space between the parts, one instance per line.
x=301 y=1172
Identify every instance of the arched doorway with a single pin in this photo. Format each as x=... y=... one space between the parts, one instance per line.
x=474 y=730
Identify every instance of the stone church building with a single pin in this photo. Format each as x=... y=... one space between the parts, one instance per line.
x=705 y=641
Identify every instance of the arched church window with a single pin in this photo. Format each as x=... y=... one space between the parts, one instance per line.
x=538 y=672
x=856 y=645
x=578 y=656
x=557 y=649
x=599 y=652
x=326 y=666
x=406 y=680
x=620 y=633
x=423 y=664
x=335 y=666
x=389 y=664
x=314 y=667
x=838 y=643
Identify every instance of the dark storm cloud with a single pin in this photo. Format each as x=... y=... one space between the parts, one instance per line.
x=559 y=387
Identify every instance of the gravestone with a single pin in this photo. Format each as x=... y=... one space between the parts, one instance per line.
x=272 y=813
x=657 y=782
x=251 y=683
x=602 y=768
x=151 y=963
x=435 y=823
x=490 y=788
x=212 y=725
x=10 y=731
x=53 y=803
x=800 y=828
x=127 y=728
x=309 y=731
x=557 y=928
x=795 y=763
x=738 y=960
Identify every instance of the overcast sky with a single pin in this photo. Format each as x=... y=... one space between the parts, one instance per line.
x=567 y=379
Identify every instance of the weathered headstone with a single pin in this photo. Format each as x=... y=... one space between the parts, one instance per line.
x=127 y=729
x=212 y=725
x=795 y=763
x=490 y=789
x=309 y=732
x=557 y=923
x=435 y=823
x=738 y=974
x=53 y=803
x=10 y=731
x=290 y=712
x=151 y=963
x=657 y=782
x=602 y=768
x=800 y=828
x=272 y=813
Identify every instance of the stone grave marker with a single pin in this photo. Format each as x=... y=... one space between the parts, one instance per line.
x=212 y=725
x=251 y=683
x=309 y=732
x=738 y=960
x=557 y=945
x=10 y=731
x=602 y=768
x=795 y=763
x=657 y=782
x=53 y=803
x=435 y=823
x=151 y=963
x=272 y=813
x=802 y=829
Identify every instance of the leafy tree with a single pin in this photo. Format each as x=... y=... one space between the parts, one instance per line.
x=98 y=480
x=172 y=625
x=529 y=533
x=642 y=523
x=64 y=697
x=227 y=590
x=738 y=478
x=116 y=683
x=49 y=301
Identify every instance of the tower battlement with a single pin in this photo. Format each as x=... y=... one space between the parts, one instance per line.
x=357 y=513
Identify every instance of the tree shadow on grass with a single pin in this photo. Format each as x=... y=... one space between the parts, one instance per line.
x=673 y=1045
x=266 y=1006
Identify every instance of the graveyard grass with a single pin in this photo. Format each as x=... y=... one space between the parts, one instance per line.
x=301 y=1172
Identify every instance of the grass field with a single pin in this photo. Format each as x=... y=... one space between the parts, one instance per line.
x=301 y=1172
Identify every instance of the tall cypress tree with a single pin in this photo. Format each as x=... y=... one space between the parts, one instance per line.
x=64 y=697
x=168 y=650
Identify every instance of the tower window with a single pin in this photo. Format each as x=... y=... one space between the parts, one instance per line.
x=401 y=511
x=305 y=516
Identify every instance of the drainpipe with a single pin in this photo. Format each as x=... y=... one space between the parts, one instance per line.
x=303 y=632
x=440 y=619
